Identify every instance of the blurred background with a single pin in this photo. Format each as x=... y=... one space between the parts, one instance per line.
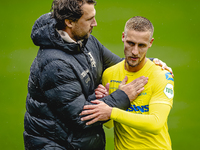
x=177 y=29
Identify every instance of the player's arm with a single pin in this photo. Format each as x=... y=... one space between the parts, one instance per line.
x=152 y=123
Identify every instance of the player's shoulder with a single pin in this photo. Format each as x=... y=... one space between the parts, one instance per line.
x=164 y=76
x=161 y=75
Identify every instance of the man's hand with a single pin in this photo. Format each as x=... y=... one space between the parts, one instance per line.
x=134 y=88
x=98 y=112
x=102 y=91
x=163 y=65
x=101 y=111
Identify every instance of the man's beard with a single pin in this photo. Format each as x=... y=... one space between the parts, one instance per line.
x=136 y=64
x=81 y=37
x=133 y=65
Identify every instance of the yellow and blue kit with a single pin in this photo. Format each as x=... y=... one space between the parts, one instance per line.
x=143 y=126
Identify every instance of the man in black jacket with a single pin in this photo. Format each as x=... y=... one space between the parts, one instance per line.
x=63 y=76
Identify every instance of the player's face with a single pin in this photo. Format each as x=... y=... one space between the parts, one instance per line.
x=83 y=27
x=136 y=45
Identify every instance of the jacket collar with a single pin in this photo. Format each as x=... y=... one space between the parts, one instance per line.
x=65 y=36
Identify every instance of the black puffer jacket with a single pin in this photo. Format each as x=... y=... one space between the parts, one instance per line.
x=62 y=80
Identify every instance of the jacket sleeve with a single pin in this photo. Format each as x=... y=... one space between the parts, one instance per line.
x=117 y=99
x=64 y=95
x=108 y=58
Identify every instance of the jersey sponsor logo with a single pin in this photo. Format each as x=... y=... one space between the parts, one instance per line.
x=142 y=94
x=168 y=76
x=169 y=90
x=141 y=109
x=115 y=81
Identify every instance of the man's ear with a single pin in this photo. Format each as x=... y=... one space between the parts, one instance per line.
x=68 y=23
x=123 y=37
x=151 y=42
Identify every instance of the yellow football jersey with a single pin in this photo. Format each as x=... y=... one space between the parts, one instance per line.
x=158 y=90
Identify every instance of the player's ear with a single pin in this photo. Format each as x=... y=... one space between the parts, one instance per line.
x=123 y=37
x=151 y=42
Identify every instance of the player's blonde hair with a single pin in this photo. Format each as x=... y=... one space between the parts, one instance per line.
x=139 y=23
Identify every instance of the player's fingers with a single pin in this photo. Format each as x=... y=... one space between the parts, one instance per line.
x=107 y=88
x=156 y=61
x=170 y=70
x=101 y=87
x=164 y=66
x=99 y=94
x=103 y=90
x=172 y=74
x=160 y=63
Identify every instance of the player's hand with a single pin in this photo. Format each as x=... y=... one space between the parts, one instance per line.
x=98 y=112
x=134 y=88
x=163 y=65
x=102 y=91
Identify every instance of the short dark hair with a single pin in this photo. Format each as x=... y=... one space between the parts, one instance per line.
x=68 y=9
x=139 y=23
